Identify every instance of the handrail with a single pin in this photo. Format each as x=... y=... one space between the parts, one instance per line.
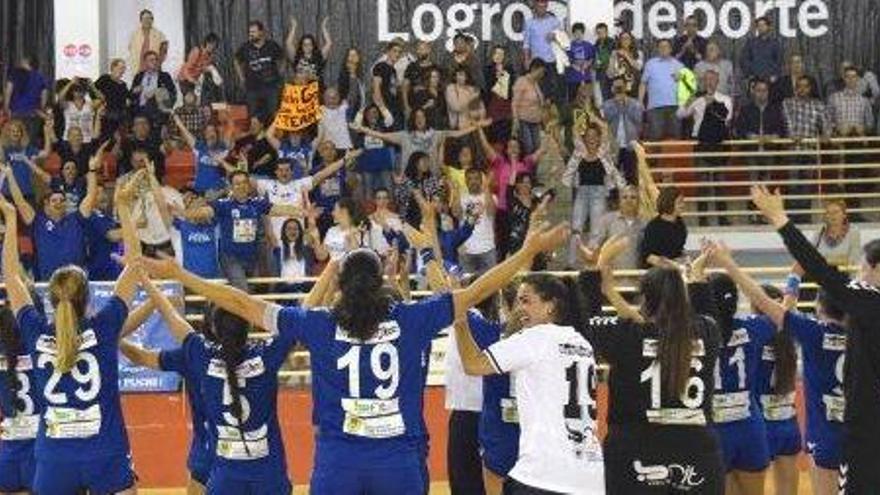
x=734 y=154
x=765 y=168
x=791 y=211
x=700 y=199
x=755 y=142
x=780 y=182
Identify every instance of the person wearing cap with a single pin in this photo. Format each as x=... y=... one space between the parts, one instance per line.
x=538 y=37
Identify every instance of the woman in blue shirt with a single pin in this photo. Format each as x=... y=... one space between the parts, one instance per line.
x=366 y=362
x=76 y=367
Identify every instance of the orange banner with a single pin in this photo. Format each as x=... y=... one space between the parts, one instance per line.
x=300 y=107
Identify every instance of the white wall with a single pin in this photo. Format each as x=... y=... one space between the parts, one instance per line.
x=592 y=12
x=77 y=38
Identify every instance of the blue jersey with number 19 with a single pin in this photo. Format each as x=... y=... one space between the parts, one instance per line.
x=368 y=391
x=83 y=410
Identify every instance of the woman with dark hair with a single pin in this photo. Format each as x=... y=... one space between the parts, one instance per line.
x=498 y=93
x=432 y=99
x=240 y=407
x=739 y=420
x=417 y=177
x=521 y=203
x=462 y=99
x=351 y=86
x=297 y=253
x=662 y=356
x=626 y=62
x=19 y=408
x=347 y=233
x=75 y=365
x=554 y=371
x=309 y=61
x=666 y=234
x=859 y=376
x=366 y=362
x=823 y=345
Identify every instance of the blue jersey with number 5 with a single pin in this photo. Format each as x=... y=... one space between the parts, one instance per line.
x=368 y=390
x=248 y=447
x=83 y=412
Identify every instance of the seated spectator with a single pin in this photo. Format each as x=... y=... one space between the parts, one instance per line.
x=297 y=253
x=252 y=152
x=19 y=155
x=377 y=162
x=209 y=158
x=334 y=121
x=117 y=99
x=666 y=234
x=624 y=115
x=837 y=240
x=198 y=236
x=498 y=93
x=304 y=54
x=142 y=137
x=58 y=236
x=347 y=233
x=624 y=221
x=592 y=173
x=626 y=62
x=477 y=206
x=153 y=90
x=71 y=149
x=417 y=177
x=79 y=109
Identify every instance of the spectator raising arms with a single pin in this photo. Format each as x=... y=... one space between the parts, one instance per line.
x=666 y=234
x=308 y=61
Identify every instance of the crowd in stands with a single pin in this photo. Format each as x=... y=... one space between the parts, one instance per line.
x=479 y=143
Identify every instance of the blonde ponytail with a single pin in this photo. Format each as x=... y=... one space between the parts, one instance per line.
x=66 y=335
x=69 y=293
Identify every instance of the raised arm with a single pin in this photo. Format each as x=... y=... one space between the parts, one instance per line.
x=37 y=170
x=388 y=137
x=336 y=166
x=773 y=309
x=290 y=41
x=496 y=278
x=490 y=152
x=328 y=38
x=235 y=301
x=271 y=138
x=138 y=355
x=319 y=291
x=16 y=290
x=89 y=203
x=137 y=318
x=609 y=252
x=187 y=136
x=177 y=324
x=474 y=361
x=24 y=208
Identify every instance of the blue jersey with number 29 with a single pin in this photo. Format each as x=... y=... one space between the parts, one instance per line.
x=83 y=412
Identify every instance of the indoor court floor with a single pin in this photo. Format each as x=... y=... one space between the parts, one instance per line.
x=440 y=488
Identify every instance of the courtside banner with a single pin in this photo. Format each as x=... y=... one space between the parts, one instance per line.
x=153 y=334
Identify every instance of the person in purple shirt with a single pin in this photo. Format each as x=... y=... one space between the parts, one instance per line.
x=582 y=55
x=59 y=237
x=239 y=217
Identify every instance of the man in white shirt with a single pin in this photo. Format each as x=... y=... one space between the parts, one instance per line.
x=712 y=113
x=478 y=252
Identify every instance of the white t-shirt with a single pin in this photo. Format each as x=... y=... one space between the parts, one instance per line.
x=463 y=392
x=482 y=240
x=377 y=237
x=79 y=117
x=283 y=194
x=554 y=371
x=293 y=268
x=334 y=122
x=336 y=242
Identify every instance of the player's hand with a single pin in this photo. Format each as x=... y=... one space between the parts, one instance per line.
x=542 y=238
x=165 y=268
x=610 y=251
x=770 y=204
x=7 y=208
